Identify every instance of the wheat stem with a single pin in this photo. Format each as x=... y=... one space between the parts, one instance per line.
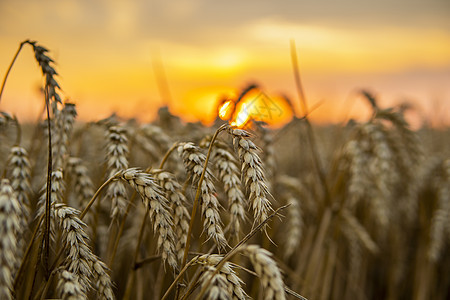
x=166 y=156
x=49 y=188
x=175 y=281
x=121 y=229
x=19 y=274
x=130 y=278
x=11 y=65
x=91 y=202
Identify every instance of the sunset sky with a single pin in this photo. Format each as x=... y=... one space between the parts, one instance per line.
x=107 y=52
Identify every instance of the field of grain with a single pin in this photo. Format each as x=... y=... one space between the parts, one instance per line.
x=115 y=209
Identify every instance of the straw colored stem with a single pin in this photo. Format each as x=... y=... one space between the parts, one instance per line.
x=131 y=276
x=175 y=281
x=11 y=65
x=49 y=189
x=27 y=253
x=121 y=229
x=100 y=189
x=166 y=156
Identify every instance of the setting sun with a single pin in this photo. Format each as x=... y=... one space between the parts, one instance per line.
x=242 y=116
x=226 y=110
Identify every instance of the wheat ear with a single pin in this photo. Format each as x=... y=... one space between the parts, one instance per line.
x=64 y=126
x=9 y=229
x=57 y=192
x=69 y=287
x=116 y=159
x=229 y=175
x=252 y=174
x=159 y=209
x=177 y=200
x=79 y=258
x=225 y=284
x=82 y=182
x=294 y=226
x=194 y=160
x=45 y=63
x=441 y=214
x=20 y=173
x=267 y=271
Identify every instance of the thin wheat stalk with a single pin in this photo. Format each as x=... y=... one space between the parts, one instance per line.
x=354 y=229
x=178 y=277
x=194 y=161
x=9 y=230
x=252 y=174
x=51 y=98
x=11 y=65
x=157 y=205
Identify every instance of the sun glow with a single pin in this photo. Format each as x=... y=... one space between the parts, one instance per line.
x=226 y=110
x=242 y=117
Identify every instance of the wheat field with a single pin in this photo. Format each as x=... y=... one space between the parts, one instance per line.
x=116 y=209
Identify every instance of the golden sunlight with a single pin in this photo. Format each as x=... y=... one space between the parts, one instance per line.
x=225 y=110
x=242 y=117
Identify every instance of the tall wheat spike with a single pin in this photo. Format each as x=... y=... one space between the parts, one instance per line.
x=9 y=229
x=252 y=174
x=225 y=283
x=116 y=160
x=194 y=160
x=69 y=287
x=79 y=257
x=158 y=206
x=178 y=202
x=229 y=174
x=267 y=271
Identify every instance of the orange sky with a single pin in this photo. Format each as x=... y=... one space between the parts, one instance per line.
x=106 y=53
